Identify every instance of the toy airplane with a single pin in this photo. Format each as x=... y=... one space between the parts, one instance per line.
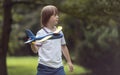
x=54 y=35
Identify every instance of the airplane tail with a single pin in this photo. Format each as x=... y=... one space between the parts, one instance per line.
x=30 y=35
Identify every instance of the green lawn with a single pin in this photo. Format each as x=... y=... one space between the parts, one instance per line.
x=27 y=66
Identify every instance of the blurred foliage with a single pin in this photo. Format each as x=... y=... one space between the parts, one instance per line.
x=24 y=17
x=94 y=33
x=1 y=17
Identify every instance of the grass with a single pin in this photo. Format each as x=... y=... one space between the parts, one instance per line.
x=27 y=66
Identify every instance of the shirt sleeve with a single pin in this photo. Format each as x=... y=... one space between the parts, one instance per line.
x=63 y=42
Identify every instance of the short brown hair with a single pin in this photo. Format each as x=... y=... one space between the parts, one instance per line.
x=46 y=13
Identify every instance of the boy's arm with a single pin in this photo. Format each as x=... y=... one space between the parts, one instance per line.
x=67 y=56
x=34 y=48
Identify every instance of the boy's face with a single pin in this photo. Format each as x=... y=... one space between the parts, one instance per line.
x=54 y=19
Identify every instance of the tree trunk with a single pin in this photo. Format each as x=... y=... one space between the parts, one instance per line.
x=6 y=29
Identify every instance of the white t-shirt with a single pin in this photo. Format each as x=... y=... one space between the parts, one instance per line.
x=50 y=53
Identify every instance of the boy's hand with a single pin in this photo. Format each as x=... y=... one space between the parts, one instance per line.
x=70 y=65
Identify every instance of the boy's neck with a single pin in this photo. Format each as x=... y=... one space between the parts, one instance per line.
x=52 y=28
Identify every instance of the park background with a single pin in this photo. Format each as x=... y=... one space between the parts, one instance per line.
x=91 y=28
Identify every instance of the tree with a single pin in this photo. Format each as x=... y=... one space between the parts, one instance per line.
x=5 y=35
x=6 y=29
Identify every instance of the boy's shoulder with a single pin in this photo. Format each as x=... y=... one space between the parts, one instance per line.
x=41 y=31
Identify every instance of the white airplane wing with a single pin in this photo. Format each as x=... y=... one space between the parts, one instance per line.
x=28 y=41
x=44 y=39
x=59 y=28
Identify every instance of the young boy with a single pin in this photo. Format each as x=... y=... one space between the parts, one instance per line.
x=50 y=51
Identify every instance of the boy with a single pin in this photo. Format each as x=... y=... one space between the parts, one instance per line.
x=50 y=51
